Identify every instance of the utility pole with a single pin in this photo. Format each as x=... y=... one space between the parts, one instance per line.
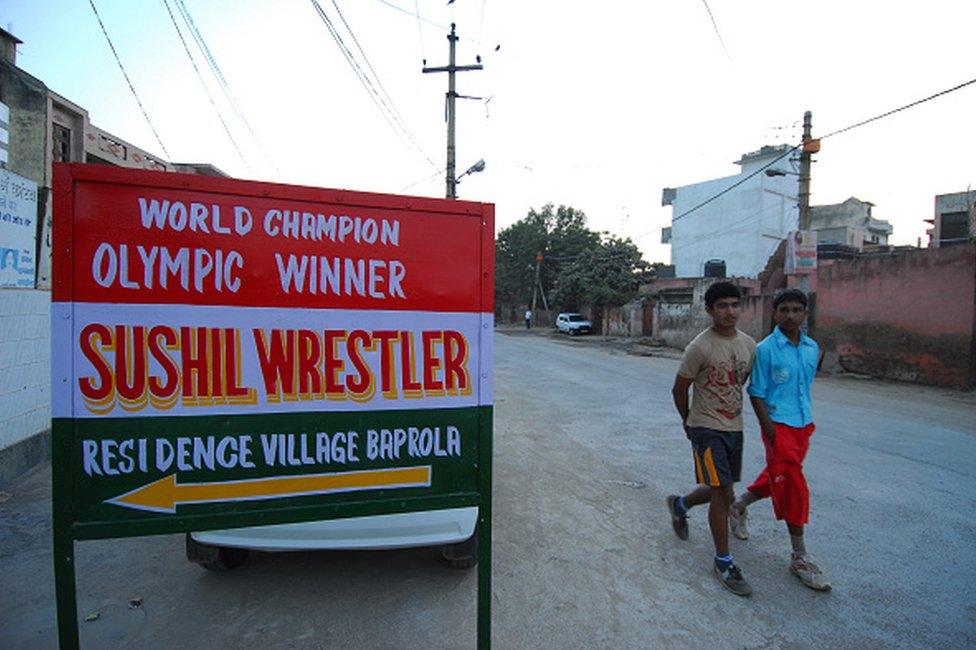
x=810 y=146
x=450 y=69
x=537 y=286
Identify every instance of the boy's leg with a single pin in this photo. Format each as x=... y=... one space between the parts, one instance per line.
x=791 y=499
x=738 y=515
x=718 y=518
x=678 y=508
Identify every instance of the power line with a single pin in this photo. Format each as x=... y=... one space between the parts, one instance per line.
x=374 y=95
x=831 y=134
x=900 y=108
x=395 y=112
x=424 y=179
x=420 y=31
x=193 y=63
x=415 y=15
x=127 y=80
x=421 y=18
x=717 y=33
x=737 y=183
x=727 y=229
x=222 y=82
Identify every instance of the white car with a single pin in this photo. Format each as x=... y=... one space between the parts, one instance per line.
x=452 y=529
x=573 y=324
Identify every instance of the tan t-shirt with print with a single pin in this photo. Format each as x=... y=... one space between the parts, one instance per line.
x=719 y=365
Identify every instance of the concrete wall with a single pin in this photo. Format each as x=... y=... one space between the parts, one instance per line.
x=679 y=309
x=626 y=320
x=907 y=316
x=742 y=227
x=25 y=378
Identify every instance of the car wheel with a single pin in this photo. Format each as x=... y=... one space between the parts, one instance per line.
x=463 y=555
x=214 y=558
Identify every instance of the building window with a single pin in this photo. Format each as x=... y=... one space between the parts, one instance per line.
x=955 y=228
x=62 y=143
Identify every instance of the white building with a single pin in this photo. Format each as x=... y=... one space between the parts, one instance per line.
x=741 y=227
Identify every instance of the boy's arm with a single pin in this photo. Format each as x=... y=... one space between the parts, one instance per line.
x=765 y=422
x=679 y=392
x=758 y=386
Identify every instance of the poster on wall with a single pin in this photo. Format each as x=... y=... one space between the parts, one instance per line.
x=801 y=252
x=18 y=230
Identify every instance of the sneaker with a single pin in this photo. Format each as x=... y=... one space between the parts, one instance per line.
x=808 y=573
x=731 y=578
x=737 y=522
x=678 y=522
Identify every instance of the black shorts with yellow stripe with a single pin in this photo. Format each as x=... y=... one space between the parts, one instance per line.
x=718 y=455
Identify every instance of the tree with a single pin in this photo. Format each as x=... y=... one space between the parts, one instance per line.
x=515 y=251
x=608 y=275
x=580 y=267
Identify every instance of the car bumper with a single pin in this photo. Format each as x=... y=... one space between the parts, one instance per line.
x=401 y=530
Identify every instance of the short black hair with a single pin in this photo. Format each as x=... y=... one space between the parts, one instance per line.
x=719 y=290
x=789 y=295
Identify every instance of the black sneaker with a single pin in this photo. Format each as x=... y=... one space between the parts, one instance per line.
x=678 y=522
x=731 y=578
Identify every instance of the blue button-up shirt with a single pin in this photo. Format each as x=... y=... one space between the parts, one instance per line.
x=782 y=375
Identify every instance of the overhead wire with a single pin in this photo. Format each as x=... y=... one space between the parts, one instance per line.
x=717 y=33
x=823 y=137
x=367 y=83
x=395 y=111
x=127 y=80
x=206 y=90
x=421 y=18
x=221 y=80
x=424 y=179
x=414 y=14
x=420 y=31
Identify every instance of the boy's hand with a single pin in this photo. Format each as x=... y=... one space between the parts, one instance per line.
x=769 y=431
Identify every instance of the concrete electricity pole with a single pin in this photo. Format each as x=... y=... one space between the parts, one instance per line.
x=810 y=146
x=450 y=69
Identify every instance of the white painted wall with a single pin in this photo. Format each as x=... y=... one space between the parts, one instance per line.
x=742 y=227
x=25 y=364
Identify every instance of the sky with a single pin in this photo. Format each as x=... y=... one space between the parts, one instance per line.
x=593 y=105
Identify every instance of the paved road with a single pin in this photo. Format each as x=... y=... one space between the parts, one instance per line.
x=587 y=447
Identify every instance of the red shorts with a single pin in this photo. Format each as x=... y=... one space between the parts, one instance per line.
x=783 y=479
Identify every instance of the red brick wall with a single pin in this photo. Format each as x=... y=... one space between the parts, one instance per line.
x=907 y=316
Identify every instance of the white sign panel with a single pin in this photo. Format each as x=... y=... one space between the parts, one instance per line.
x=18 y=230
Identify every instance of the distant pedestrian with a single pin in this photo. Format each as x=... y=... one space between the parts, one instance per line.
x=786 y=362
x=528 y=319
x=717 y=362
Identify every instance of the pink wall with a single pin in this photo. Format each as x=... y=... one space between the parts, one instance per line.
x=907 y=316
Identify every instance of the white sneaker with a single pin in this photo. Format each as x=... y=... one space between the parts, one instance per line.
x=808 y=572
x=737 y=522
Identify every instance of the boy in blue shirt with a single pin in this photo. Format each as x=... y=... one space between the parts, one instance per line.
x=782 y=375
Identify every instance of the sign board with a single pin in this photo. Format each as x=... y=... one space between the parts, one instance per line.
x=801 y=252
x=18 y=230
x=230 y=353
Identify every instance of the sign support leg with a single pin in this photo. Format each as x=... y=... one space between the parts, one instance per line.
x=484 y=534
x=64 y=586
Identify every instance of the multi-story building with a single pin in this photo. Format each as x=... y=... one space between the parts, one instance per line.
x=849 y=223
x=954 y=221
x=742 y=226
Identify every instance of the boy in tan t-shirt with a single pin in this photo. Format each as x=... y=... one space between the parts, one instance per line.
x=717 y=362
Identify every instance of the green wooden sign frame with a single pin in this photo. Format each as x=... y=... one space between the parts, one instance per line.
x=100 y=490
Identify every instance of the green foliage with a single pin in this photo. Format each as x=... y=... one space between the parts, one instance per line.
x=580 y=267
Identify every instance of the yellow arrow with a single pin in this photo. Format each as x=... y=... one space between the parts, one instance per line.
x=165 y=494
